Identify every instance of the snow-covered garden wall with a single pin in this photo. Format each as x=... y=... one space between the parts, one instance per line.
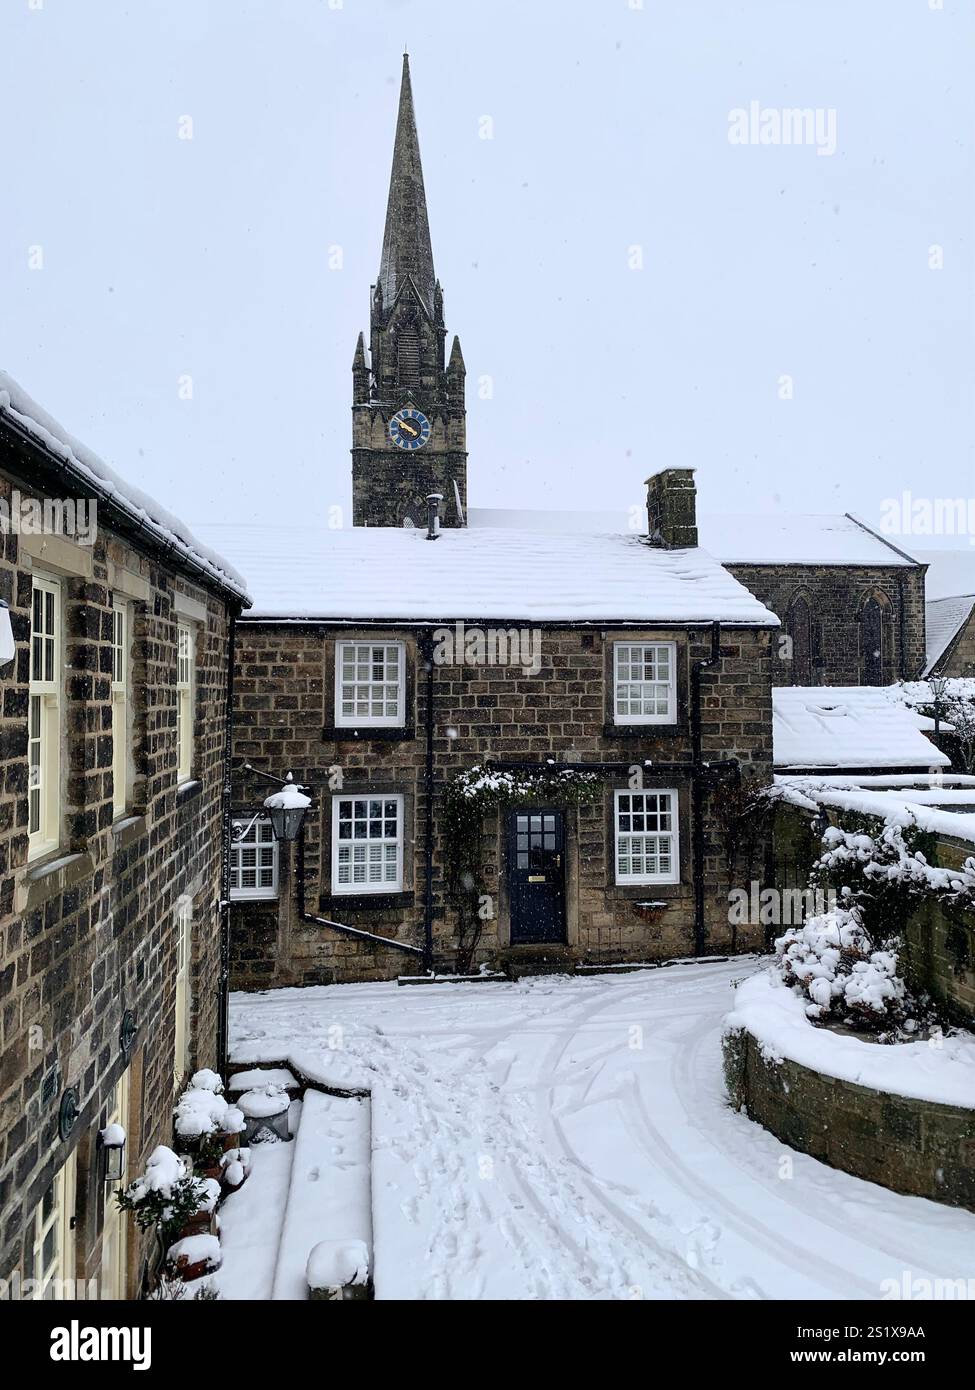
x=905 y=1122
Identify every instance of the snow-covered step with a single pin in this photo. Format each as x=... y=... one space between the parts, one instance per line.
x=261 y=1076
x=251 y=1220
x=329 y=1199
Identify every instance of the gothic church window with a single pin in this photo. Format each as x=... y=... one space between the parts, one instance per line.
x=799 y=625
x=872 y=641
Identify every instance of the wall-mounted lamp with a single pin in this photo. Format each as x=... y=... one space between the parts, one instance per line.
x=286 y=811
x=111 y=1144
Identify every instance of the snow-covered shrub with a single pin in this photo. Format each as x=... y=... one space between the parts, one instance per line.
x=832 y=962
x=165 y=1195
x=203 y=1117
x=206 y=1080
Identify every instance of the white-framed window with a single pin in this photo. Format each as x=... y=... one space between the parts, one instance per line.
x=645 y=682
x=44 y=719
x=367 y=844
x=185 y=663
x=253 y=860
x=370 y=684
x=49 y=1238
x=647 y=837
x=184 y=952
x=121 y=738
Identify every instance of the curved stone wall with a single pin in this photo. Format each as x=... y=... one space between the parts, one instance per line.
x=912 y=1146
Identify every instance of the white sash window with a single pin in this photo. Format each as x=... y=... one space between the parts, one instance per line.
x=367 y=844
x=647 y=842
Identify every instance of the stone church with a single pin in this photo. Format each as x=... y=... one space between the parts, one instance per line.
x=531 y=738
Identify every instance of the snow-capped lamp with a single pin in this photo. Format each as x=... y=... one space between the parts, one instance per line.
x=286 y=811
x=111 y=1145
x=8 y=649
x=938 y=684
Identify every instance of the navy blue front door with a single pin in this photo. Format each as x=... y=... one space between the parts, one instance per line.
x=536 y=875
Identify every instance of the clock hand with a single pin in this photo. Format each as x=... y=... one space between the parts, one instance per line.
x=409 y=429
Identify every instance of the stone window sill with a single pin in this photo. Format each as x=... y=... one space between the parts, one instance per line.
x=49 y=877
x=333 y=907
x=127 y=829
x=186 y=791
x=644 y=731
x=332 y=733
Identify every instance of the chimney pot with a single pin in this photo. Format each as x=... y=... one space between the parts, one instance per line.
x=433 y=515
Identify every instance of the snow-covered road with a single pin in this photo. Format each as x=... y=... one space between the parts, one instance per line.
x=570 y=1138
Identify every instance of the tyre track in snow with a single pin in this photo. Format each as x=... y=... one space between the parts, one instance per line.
x=662 y=1155
x=669 y=1261
x=687 y=1083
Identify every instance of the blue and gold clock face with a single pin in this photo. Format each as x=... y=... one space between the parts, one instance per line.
x=409 y=428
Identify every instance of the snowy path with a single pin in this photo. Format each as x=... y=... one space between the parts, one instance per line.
x=569 y=1138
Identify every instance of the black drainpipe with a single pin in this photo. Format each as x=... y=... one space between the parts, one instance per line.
x=223 y=995
x=697 y=777
x=426 y=649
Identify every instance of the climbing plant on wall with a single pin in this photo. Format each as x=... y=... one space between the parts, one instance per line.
x=476 y=793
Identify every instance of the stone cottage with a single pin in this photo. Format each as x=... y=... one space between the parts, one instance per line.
x=613 y=690
x=114 y=735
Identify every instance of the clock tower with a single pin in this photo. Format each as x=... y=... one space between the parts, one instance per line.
x=409 y=426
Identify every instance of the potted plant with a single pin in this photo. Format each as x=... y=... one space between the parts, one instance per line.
x=166 y=1196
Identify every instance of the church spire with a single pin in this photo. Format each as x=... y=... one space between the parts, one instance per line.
x=406 y=244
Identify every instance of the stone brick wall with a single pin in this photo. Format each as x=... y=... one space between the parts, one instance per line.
x=939 y=948
x=285 y=721
x=961 y=658
x=89 y=932
x=836 y=594
x=911 y=1146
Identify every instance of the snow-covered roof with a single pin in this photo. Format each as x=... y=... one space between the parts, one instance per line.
x=106 y=485
x=941 y=804
x=944 y=618
x=849 y=726
x=745 y=538
x=393 y=573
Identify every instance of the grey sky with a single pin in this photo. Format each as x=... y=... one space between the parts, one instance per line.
x=210 y=257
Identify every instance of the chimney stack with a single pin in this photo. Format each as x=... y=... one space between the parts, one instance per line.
x=672 y=509
x=433 y=515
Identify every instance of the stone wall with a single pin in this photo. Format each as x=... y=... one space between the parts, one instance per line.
x=911 y=1146
x=285 y=721
x=90 y=931
x=939 y=947
x=961 y=658
x=836 y=594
